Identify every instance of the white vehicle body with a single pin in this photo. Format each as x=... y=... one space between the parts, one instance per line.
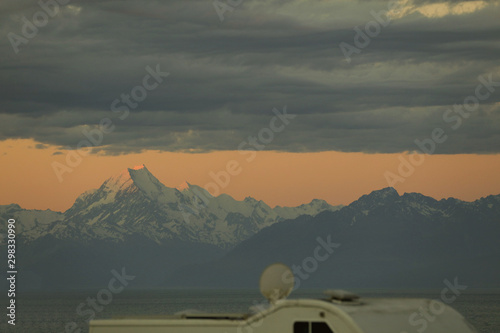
x=369 y=315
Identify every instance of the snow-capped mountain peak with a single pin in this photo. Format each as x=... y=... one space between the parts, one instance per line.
x=151 y=186
x=119 y=181
x=183 y=186
x=139 y=167
x=135 y=202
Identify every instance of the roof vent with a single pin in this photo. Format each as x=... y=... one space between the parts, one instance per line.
x=340 y=296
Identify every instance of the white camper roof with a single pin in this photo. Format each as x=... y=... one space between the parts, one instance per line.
x=381 y=315
x=353 y=314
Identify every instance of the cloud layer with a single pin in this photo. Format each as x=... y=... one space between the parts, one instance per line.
x=225 y=77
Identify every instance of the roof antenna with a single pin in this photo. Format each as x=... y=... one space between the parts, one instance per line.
x=276 y=282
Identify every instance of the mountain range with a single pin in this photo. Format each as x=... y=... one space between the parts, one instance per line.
x=184 y=237
x=135 y=202
x=133 y=216
x=381 y=240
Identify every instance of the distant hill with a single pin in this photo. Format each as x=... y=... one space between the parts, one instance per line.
x=136 y=221
x=136 y=203
x=384 y=241
x=183 y=237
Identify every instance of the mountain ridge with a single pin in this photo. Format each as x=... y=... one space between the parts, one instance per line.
x=386 y=240
x=136 y=202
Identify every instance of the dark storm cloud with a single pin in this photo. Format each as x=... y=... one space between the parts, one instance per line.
x=226 y=77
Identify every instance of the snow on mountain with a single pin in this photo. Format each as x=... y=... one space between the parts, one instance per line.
x=416 y=204
x=152 y=187
x=386 y=240
x=312 y=208
x=29 y=222
x=135 y=202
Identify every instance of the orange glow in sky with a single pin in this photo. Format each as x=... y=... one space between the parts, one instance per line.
x=277 y=178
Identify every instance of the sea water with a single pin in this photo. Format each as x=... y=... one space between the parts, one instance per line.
x=57 y=312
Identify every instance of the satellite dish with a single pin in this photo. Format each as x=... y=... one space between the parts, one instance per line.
x=276 y=282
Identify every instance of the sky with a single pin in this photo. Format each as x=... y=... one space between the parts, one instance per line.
x=337 y=98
